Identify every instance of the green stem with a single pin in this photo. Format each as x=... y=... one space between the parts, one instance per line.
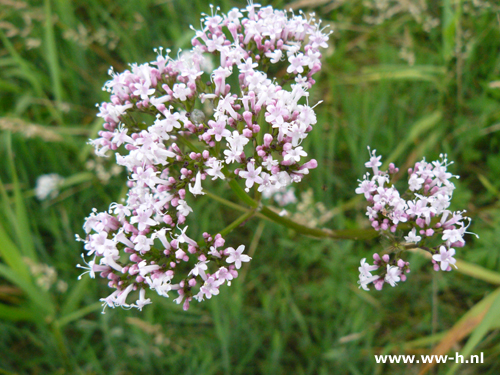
x=238 y=190
x=346 y=234
x=352 y=234
x=226 y=202
x=237 y=222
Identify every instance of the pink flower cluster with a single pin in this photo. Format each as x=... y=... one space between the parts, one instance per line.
x=421 y=213
x=235 y=121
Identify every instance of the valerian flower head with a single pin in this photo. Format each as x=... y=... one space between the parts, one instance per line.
x=214 y=114
x=416 y=218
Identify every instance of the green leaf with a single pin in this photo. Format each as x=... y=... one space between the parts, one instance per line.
x=15 y=314
x=11 y=255
x=78 y=314
x=422 y=126
x=38 y=296
x=51 y=52
x=75 y=296
x=21 y=222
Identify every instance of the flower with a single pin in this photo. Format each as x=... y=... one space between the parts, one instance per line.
x=412 y=236
x=142 y=301
x=237 y=256
x=365 y=268
x=392 y=276
x=196 y=189
x=365 y=280
x=134 y=243
x=423 y=206
x=252 y=175
x=48 y=185
x=445 y=257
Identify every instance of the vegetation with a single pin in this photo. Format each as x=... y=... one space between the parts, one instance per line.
x=409 y=78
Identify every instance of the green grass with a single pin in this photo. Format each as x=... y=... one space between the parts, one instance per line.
x=296 y=309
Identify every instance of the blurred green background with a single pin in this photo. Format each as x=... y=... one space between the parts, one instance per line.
x=411 y=78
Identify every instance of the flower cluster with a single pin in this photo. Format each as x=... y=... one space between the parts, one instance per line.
x=421 y=213
x=48 y=185
x=233 y=122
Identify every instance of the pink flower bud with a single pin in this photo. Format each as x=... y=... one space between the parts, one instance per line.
x=247 y=133
x=182 y=193
x=268 y=138
x=311 y=164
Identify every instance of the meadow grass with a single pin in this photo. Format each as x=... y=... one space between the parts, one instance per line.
x=399 y=83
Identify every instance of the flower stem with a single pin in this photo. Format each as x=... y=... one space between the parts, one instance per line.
x=351 y=234
x=237 y=222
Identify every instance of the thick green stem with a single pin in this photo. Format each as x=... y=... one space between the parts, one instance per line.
x=352 y=234
x=346 y=234
x=238 y=190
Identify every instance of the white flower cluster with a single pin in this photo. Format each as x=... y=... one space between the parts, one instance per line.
x=421 y=212
x=253 y=132
x=47 y=185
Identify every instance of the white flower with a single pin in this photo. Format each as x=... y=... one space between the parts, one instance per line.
x=237 y=141
x=275 y=55
x=366 y=187
x=121 y=299
x=143 y=243
x=374 y=162
x=144 y=269
x=141 y=302
x=445 y=257
x=295 y=154
x=223 y=274
x=183 y=208
x=392 y=276
x=453 y=235
x=199 y=269
x=412 y=236
x=215 y=168
x=211 y=287
x=251 y=175
x=365 y=269
x=365 y=280
x=183 y=238
x=48 y=185
x=236 y=256
x=196 y=189
x=415 y=182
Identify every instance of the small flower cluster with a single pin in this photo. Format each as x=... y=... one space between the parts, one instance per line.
x=232 y=122
x=421 y=213
x=393 y=272
x=48 y=185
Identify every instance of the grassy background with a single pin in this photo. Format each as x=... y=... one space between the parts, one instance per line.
x=409 y=81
